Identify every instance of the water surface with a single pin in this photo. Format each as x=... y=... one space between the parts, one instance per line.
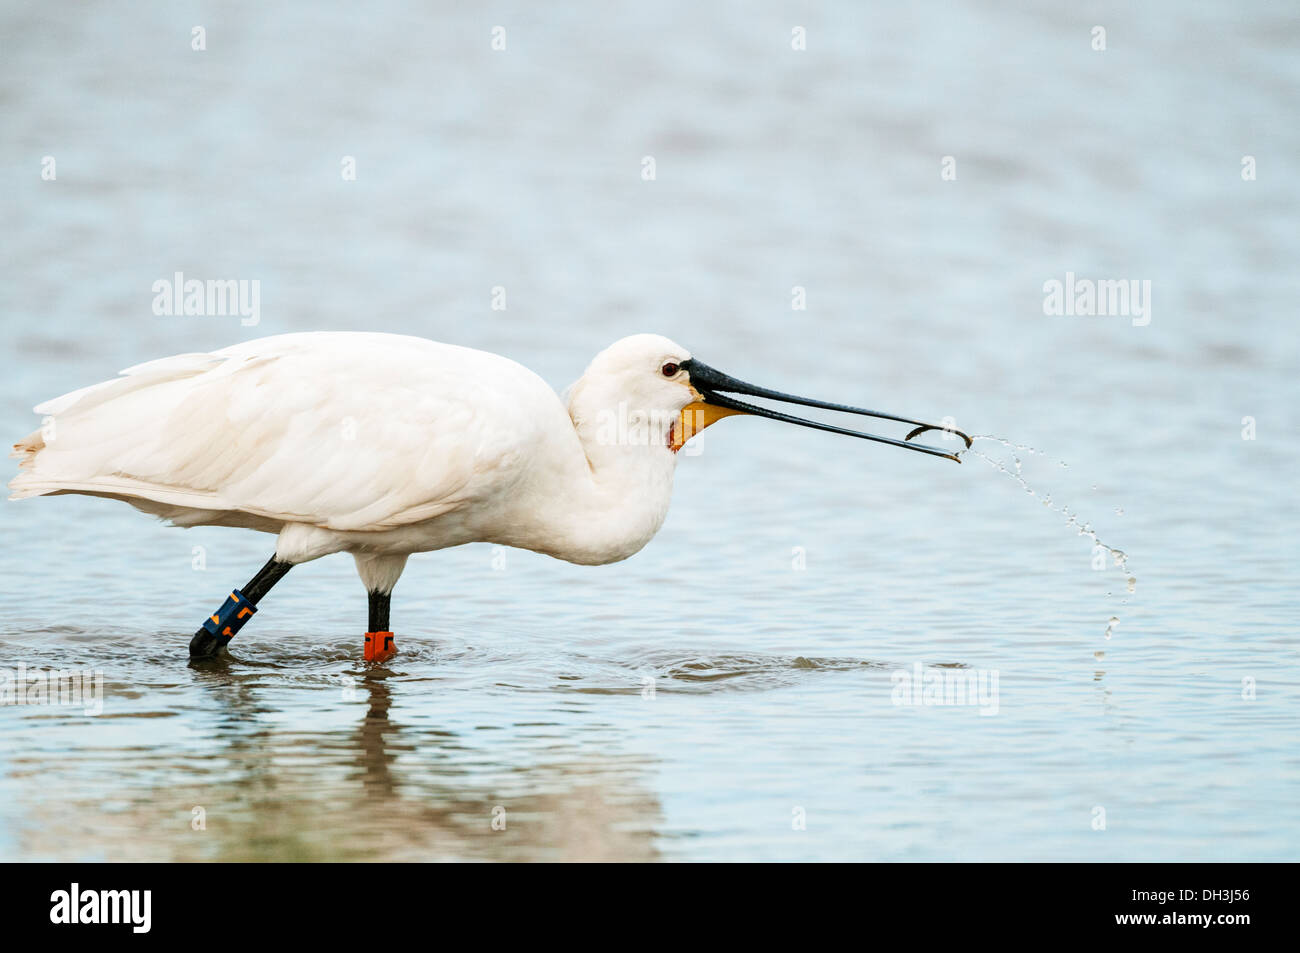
x=728 y=692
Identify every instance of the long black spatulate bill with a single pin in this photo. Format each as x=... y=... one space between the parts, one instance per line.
x=715 y=387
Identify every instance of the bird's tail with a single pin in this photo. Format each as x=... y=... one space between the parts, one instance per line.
x=65 y=455
x=25 y=451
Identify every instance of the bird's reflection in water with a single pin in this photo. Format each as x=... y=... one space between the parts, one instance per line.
x=261 y=788
x=374 y=757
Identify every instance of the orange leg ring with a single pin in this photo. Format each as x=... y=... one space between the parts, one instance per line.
x=379 y=646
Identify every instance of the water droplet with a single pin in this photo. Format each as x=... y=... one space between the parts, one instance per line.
x=1118 y=556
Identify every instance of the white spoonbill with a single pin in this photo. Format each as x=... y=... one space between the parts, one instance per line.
x=383 y=445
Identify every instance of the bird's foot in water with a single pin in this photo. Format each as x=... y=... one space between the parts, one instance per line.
x=221 y=626
x=205 y=645
x=379 y=646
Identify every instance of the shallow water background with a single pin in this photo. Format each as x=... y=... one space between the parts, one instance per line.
x=797 y=572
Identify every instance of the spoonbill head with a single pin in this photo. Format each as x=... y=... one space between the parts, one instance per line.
x=384 y=445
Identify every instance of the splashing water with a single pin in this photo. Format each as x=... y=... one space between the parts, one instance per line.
x=1072 y=519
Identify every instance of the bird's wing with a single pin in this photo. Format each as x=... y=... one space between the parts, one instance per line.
x=344 y=431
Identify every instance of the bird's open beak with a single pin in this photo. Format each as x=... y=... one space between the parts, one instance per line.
x=712 y=387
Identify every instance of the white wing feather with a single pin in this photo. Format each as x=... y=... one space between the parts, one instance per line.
x=345 y=431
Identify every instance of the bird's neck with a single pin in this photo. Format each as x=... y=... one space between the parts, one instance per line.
x=619 y=490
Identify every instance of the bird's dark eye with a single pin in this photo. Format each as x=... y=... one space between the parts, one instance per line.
x=670 y=369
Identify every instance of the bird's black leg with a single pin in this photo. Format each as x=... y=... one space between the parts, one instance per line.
x=379 y=641
x=238 y=608
x=379 y=603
